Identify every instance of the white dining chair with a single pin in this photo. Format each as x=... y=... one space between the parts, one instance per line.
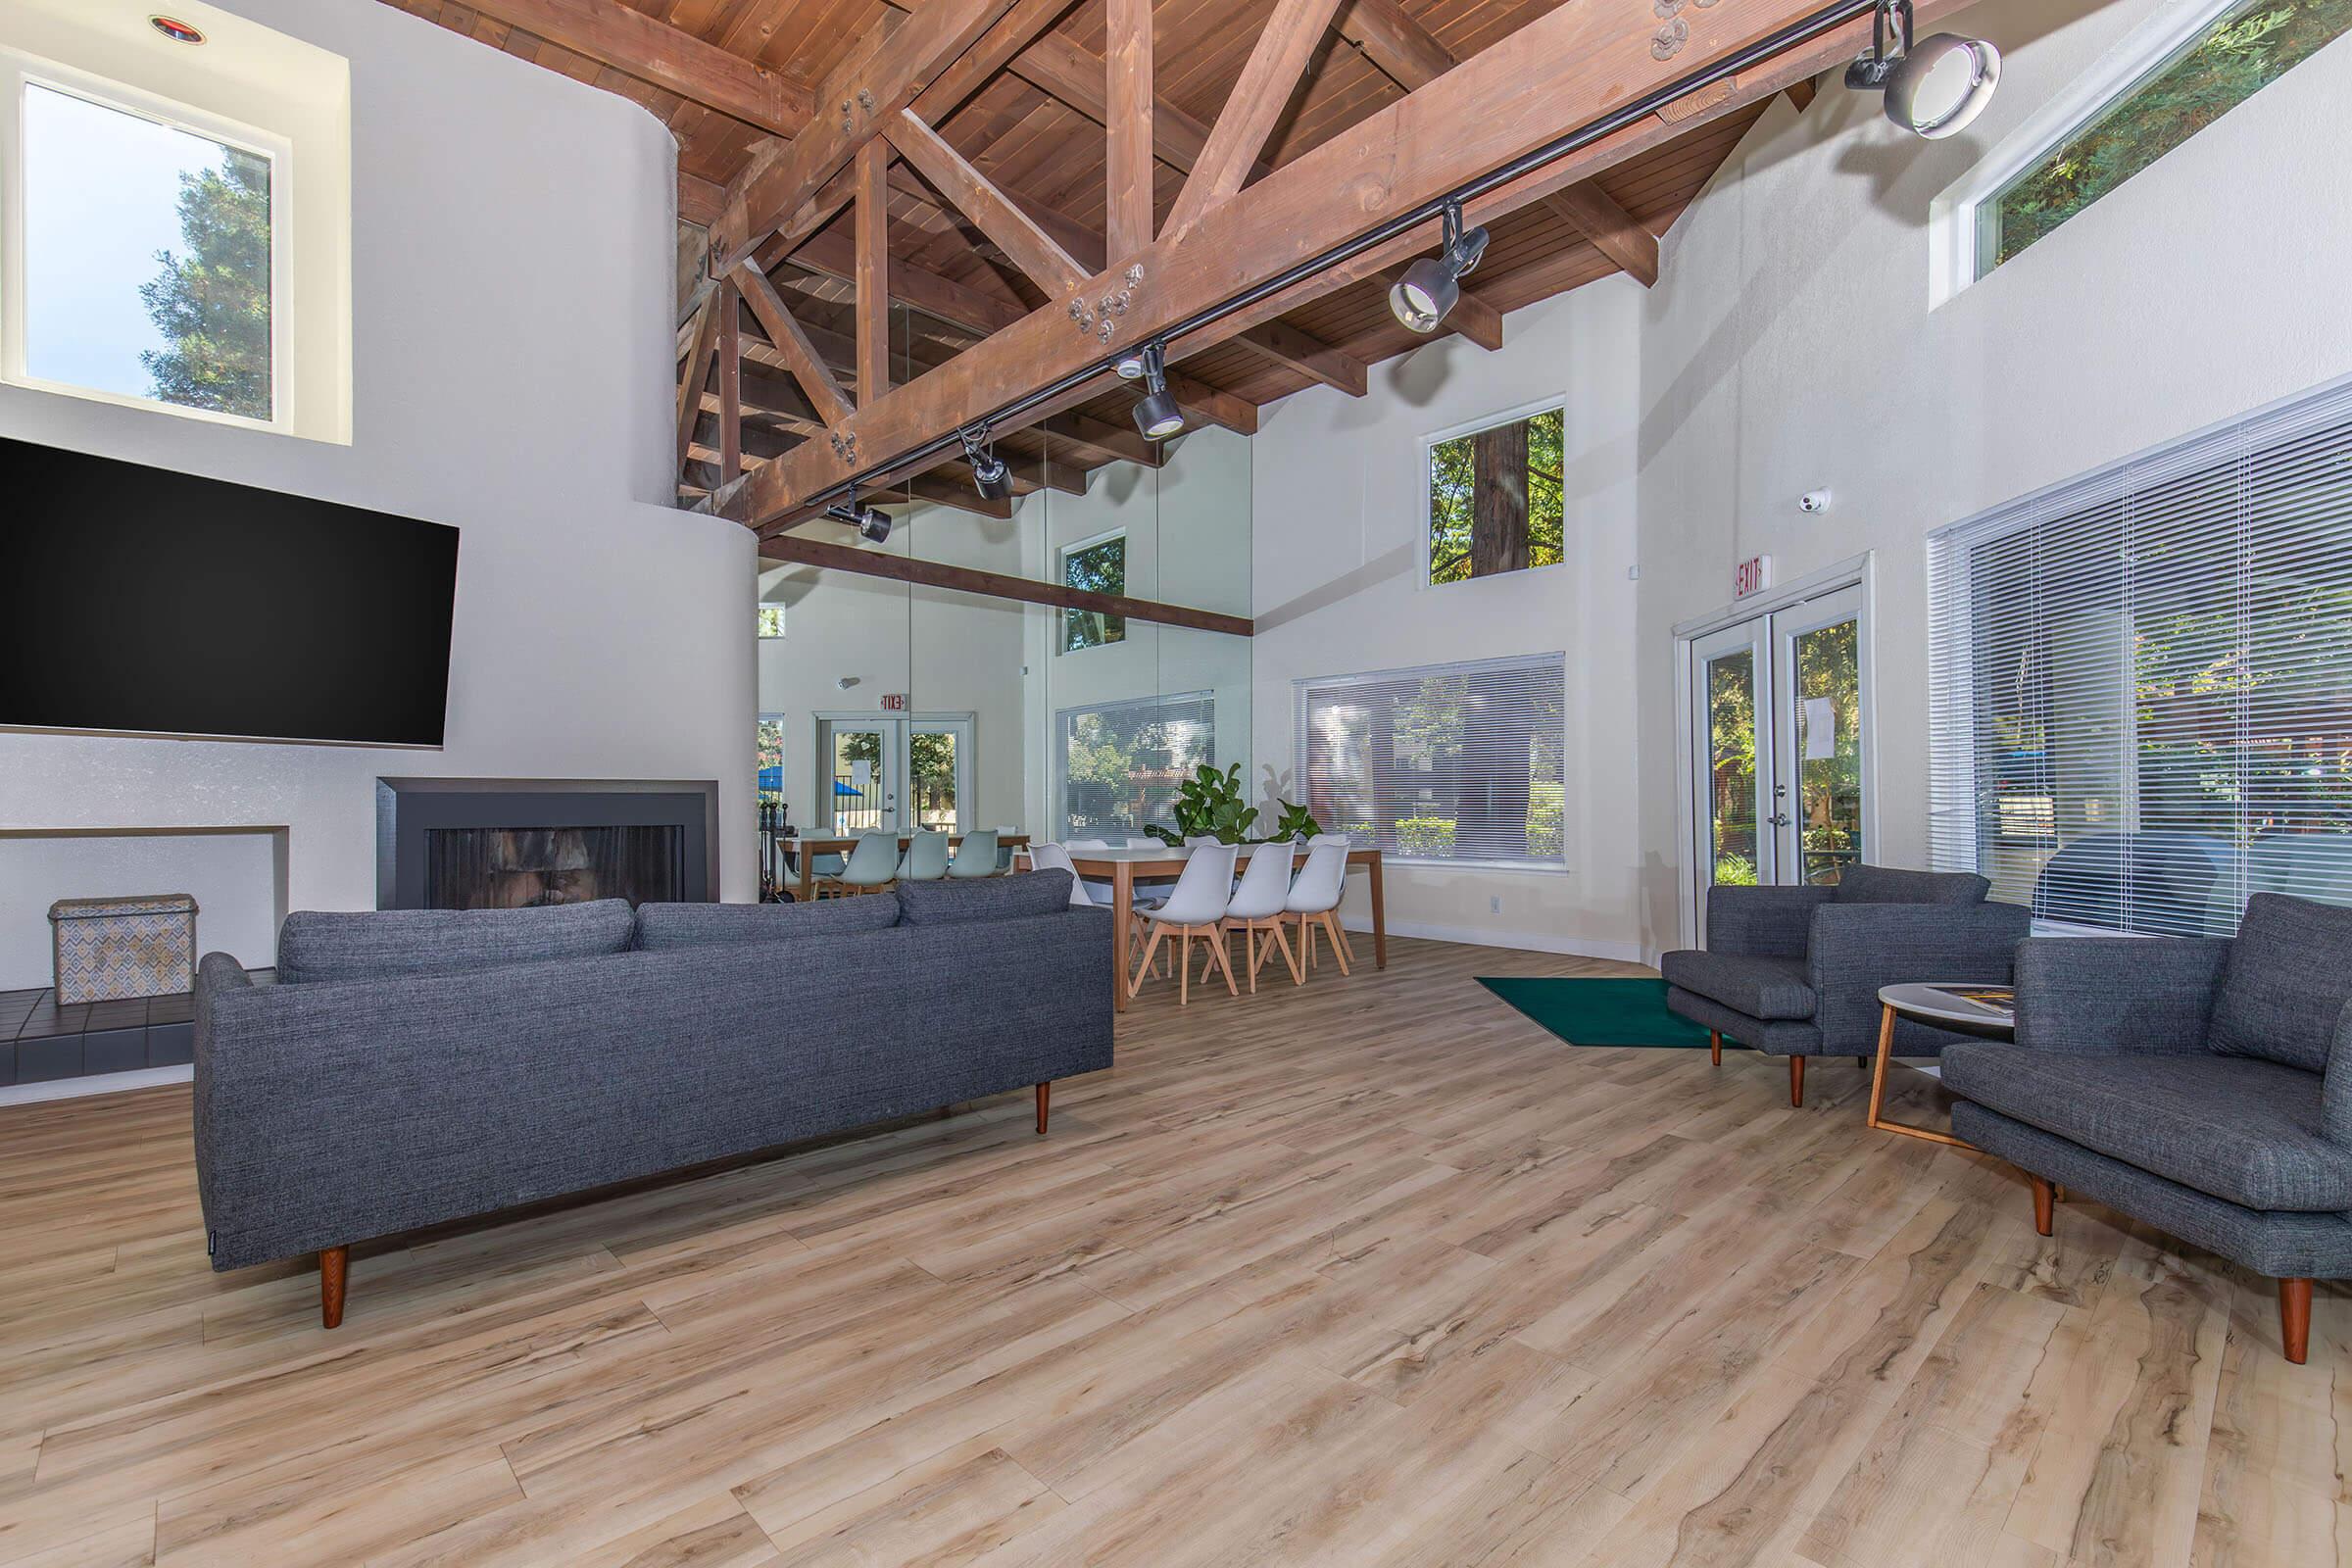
x=1315 y=898
x=1260 y=901
x=872 y=865
x=1055 y=858
x=976 y=856
x=1194 y=908
x=926 y=858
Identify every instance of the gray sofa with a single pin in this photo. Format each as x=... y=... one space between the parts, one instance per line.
x=2202 y=1085
x=413 y=1067
x=1796 y=971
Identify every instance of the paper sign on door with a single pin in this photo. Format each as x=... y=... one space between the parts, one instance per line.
x=1821 y=729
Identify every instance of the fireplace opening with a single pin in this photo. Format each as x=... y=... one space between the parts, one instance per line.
x=524 y=868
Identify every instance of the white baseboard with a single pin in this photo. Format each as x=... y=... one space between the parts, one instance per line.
x=103 y=1083
x=1526 y=941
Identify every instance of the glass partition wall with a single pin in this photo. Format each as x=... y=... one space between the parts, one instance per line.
x=893 y=706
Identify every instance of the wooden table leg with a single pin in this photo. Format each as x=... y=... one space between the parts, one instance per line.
x=1122 y=901
x=808 y=873
x=1877 y=1091
x=1380 y=919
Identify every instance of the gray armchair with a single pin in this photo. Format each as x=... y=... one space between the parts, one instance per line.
x=2201 y=1085
x=1796 y=971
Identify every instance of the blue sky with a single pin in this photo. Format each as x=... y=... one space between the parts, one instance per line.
x=101 y=195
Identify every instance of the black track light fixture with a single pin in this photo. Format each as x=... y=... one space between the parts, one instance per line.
x=1935 y=86
x=990 y=476
x=1156 y=412
x=871 y=523
x=1426 y=294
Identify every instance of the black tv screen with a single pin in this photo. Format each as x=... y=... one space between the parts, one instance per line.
x=140 y=600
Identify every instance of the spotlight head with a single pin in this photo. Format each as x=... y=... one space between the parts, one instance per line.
x=1935 y=87
x=990 y=476
x=873 y=524
x=1426 y=292
x=1157 y=415
x=1130 y=364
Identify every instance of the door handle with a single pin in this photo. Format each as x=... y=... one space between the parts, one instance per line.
x=1779 y=819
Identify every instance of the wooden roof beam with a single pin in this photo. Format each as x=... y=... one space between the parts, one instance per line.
x=1259 y=97
x=807 y=366
x=993 y=584
x=1311 y=358
x=1024 y=242
x=1129 y=113
x=670 y=57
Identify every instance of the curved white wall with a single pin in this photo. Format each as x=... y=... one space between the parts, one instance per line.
x=512 y=370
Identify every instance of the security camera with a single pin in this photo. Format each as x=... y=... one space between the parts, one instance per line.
x=1813 y=501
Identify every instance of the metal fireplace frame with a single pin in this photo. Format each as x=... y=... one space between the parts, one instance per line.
x=405 y=809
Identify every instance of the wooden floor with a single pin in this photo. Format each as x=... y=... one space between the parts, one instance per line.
x=1369 y=1273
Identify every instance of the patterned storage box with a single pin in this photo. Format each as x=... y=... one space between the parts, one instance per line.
x=110 y=948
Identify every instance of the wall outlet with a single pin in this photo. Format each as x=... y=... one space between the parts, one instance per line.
x=1495 y=904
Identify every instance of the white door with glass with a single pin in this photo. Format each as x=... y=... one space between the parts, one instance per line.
x=1778 y=704
x=894 y=775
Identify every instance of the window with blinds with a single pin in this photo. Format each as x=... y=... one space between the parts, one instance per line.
x=2141 y=701
x=1118 y=766
x=1452 y=762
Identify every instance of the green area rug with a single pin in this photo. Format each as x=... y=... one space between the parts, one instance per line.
x=1601 y=1013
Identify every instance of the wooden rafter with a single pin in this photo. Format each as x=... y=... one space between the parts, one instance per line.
x=628 y=40
x=729 y=350
x=874 y=271
x=696 y=371
x=1023 y=240
x=807 y=366
x=1311 y=356
x=1258 y=100
x=996 y=585
x=1566 y=67
x=1412 y=57
x=1127 y=124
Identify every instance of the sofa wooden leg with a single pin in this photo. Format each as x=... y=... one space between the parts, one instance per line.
x=1715 y=1047
x=1797 y=1082
x=2294 y=1318
x=334 y=1264
x=2045 y=1206
x=1045 y=1093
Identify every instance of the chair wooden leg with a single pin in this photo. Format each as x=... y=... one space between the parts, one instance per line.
x=2045 y=1206
x=1216 y=948
x=1338 y=940
x=1184 y=971
x=1290 y=956
x=1715 y=1045
x=2294 y=1318
x=1045 y=1093
x=1134 y=981
x=1797 y=1082
x=334 y=1264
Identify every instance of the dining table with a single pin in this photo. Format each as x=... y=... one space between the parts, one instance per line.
x=1124 y=868
x=808 y=850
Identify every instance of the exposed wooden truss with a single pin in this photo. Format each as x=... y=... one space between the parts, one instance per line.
x=996 y=584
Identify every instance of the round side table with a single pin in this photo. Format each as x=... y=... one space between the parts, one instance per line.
x=1949 y=1003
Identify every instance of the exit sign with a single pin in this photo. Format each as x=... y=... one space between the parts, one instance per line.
x=1752 y=575
x=894 y=702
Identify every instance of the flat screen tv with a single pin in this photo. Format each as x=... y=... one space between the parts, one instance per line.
x=138 y=600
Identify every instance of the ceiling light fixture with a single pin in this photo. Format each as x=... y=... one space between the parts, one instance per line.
x=871 y=523
x=1156 y=412
x=990 y=476
x=1933 y=87
x=176 y=30
x=1429 y=289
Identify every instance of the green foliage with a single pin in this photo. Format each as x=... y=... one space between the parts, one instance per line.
x=1099 y=568
x=1209 y=806
x=1430 y=837
x=1453 y=482
x=1293 y=823
x=2245 y=51
x=211 y=303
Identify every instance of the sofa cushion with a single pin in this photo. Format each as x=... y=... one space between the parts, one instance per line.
x=1885 y=884
x=1746 y=983
x=991 y=897
x=315 y=944
x=2244 y=1131
x=667 y=927
x=2288 y=976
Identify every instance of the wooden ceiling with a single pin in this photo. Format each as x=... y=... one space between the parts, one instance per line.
x=736 y=81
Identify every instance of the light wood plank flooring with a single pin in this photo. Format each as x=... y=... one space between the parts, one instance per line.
x=1369 y=1273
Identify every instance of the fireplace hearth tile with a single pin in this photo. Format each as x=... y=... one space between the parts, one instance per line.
x=114 y=1049
x=45 y=1060
x=171 y=1045
x=47 y=1020
x=179 y=1007
x=7 y=1064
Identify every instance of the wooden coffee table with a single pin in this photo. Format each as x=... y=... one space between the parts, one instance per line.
x=1987 y=1007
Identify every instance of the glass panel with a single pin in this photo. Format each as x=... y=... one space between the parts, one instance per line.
x=1829 y=752
x=931 y=775
x=146 y=258
x=2244 y=51
x=859 y=786
x=768 y=748
x=771 y=621
x=1495 y=500
x=1101 y=568
x=1731 y=768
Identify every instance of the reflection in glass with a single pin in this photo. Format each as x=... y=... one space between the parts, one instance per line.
x=1099 y=568
x=1119 y=765
x=1829 y=767
x=1731 y=766
x=859 y=803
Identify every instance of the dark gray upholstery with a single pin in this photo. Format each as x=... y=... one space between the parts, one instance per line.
x=2287 y=979
x=315 y=944
x=329 y=1112
x=667 y=927
x=2123 y=1083
x=1796 y=971
x=995 y=898
x=1887 y=884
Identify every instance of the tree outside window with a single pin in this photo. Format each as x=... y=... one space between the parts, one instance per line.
x=1494 y=499
x=1100 y=567
x=771 y=621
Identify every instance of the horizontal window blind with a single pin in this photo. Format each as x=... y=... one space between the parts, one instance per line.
x=1119 y=765
x=2142 y=682
x=1453 y=762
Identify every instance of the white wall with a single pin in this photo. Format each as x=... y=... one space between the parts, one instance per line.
x=1790 y=347
x=1339 y=505
x=513 y=360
